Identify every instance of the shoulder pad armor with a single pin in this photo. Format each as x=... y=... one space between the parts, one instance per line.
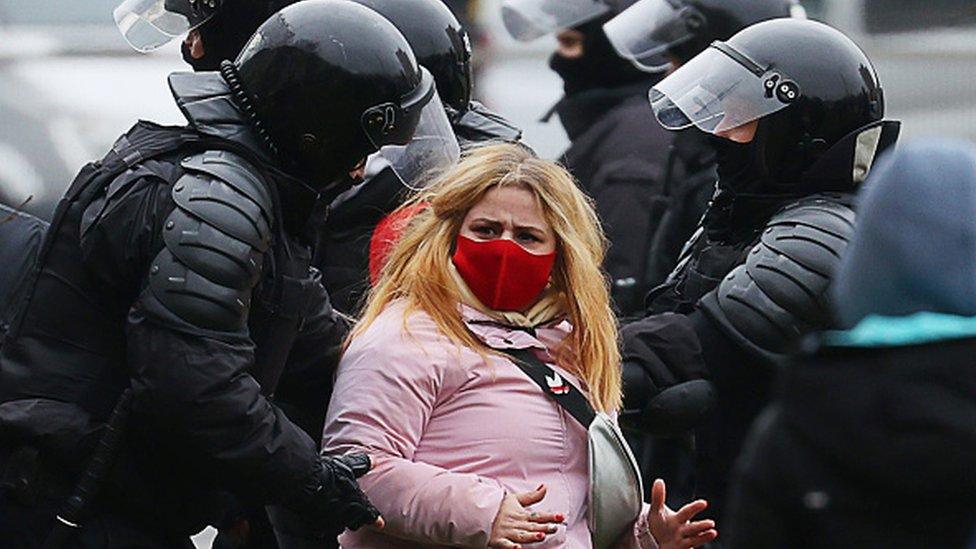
x=214 y=242
x=779 y=293
x=225 y=190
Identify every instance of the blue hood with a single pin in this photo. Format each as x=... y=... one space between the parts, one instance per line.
x=915 y=245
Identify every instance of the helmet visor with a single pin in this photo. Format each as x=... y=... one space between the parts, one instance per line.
x=718 y=90
x=149 y=24
x=644 y=32
x=395 y=123
x=530 y=19
x=432 y=149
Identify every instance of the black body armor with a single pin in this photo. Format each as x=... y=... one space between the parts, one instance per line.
x=167 y=269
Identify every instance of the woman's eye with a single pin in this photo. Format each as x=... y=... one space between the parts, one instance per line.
x=529 y=237
x=483 y=231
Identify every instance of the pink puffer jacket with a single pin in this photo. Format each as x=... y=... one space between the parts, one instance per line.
x=449 y=435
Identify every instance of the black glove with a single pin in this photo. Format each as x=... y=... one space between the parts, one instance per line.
x=673 y=411
x=665 y=390
x=336 y=505
x=339 y=496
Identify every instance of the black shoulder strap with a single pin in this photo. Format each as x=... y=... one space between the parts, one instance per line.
x=553 y=384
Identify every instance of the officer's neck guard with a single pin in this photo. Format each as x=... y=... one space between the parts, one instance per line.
x=846 y=165
x=207 y=103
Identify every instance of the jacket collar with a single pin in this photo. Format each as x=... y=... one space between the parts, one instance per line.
x=580 y=111
x=500 y=336
x=207 y=103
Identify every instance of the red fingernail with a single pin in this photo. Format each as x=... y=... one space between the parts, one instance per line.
x=540 y=535
x=560 y=518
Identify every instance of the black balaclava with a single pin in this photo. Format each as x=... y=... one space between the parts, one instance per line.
x=743 y=196
x=599 y=67
x=225 y=35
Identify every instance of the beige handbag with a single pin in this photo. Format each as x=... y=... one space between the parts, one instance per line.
x=616 y=490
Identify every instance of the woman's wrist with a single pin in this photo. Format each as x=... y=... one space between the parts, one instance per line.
x=642 y=531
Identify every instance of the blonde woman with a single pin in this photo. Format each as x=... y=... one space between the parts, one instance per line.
x=467 y=450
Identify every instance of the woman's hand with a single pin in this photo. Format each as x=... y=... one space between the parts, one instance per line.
x=515 y=525
x=674 y=530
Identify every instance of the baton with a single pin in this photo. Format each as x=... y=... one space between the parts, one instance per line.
x=72 y=516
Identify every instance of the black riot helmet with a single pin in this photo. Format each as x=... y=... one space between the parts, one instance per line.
x=652 y=32
x=527 y=20
x=329 y=82
x=814 y=93
x=439 y=42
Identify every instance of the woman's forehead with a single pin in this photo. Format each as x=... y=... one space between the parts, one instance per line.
x=510 y=203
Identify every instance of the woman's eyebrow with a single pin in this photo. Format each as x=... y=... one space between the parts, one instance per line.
x=486 y=220
x=534 y=228
x=495 y=222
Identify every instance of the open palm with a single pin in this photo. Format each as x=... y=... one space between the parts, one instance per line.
x=674 y=529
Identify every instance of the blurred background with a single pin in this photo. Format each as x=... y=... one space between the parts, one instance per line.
x=69 y=85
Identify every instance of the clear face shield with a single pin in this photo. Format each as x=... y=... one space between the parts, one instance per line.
x=421 y=145
x=720 y=89
x=149 y=24
x=530 y=19
x=644 y=32
x=433 y=149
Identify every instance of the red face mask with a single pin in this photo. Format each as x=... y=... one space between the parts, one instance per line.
x=502 y=274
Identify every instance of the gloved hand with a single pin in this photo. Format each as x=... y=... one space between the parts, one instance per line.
x=339 y=497
x=336 y=505
x=665 y=387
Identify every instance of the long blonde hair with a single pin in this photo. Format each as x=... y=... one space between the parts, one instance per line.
x=418 y=267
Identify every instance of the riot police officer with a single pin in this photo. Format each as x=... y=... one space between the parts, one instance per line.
x=800 y=131
x=617 y=151
x=216 y=30
x=443 y=47
x=173 y=288
x=660 y=36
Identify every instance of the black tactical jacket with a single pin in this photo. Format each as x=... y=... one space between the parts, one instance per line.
x=688 y=185
x=20 y=241
x=618 y=152
x=176 y=276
